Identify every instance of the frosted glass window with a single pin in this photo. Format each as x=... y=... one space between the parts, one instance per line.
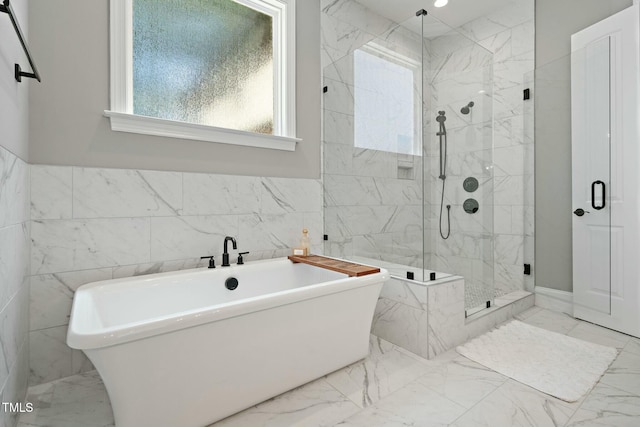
x=207 y=62
x=384 y=104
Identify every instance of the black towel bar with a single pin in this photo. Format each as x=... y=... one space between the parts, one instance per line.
x=19 y=74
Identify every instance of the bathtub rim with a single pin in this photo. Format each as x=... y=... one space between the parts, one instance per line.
x=81 y=338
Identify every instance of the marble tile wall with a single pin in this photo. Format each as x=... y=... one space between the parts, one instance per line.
x=346 y=25
x=461 y=73
x=490 y=54
x=92 y=224
x=509 y=34
x=14 y=281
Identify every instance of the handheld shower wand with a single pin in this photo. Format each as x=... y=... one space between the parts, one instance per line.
x=442 y=134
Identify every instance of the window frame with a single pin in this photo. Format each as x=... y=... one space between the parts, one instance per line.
x=410 y=64
x=121 y=113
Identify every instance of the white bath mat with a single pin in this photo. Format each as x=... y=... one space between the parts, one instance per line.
x=556 y=364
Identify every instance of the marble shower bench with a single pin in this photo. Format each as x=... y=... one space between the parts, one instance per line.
x=429 y=318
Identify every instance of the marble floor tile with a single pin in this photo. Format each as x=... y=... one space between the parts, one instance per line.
x=384 y=371
x=527 y=313
x=633 y=346
x=392 y=387
x=77 y=401
x=514 y=404
x=586 y=418
x=41 y=395
x=552 y=321
x=599 y=335
x=316 y=404
x=463 y=381
x=413 y=405
x=624 y=373
x=444 y=358
x=608 y=406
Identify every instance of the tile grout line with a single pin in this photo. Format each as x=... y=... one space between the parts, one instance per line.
x=348 y=399
x=585 y=397
x=477 y=403
x=474 y=405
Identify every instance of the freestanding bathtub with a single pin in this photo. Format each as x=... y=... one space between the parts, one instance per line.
x=181 y=350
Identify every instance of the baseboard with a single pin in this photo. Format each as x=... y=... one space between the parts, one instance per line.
x=553 y=299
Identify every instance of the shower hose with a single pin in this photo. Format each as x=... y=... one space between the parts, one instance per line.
x=448 y=215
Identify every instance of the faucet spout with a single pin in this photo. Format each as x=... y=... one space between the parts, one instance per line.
x=233 y=242
x=225 y=254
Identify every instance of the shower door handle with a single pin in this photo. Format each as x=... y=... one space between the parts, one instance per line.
x=593 y=195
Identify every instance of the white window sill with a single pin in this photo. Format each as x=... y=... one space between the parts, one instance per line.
x=125 y=122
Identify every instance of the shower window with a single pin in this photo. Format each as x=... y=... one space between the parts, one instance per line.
x=386 y=105
x=212 y=66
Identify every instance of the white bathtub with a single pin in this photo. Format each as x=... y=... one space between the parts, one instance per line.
x=181 y=350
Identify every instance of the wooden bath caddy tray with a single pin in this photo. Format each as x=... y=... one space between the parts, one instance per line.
x=345 y=267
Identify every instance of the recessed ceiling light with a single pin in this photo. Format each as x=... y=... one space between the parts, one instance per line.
x=440 y=3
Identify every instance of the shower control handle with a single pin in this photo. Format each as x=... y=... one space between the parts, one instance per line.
x=580 y=212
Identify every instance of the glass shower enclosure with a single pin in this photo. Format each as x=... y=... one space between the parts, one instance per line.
x=407 y=156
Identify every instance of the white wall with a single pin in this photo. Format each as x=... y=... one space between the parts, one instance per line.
x=71 y=40
x=14 y=217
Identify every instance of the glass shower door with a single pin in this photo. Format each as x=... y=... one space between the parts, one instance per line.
x=458 y=152
x=372 y=159
x=408 y=135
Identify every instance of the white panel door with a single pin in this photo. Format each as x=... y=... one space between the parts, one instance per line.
x=605 y=163
x=591 y=130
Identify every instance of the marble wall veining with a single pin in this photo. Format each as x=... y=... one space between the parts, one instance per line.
x=487 y=248
x=14 y=281
x=345 y=26
x=461 y=72
x=91 y=224
x=15 y=244
x=373 y=198
x=509 y=34
x=485 y=61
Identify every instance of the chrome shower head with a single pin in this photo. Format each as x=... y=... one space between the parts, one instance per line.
x=467 y=108
x=441 y=117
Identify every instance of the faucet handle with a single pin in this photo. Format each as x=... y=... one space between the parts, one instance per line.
x=240 y=260
x=212 y=263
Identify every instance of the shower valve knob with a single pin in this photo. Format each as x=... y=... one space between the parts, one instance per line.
x=580 y=212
